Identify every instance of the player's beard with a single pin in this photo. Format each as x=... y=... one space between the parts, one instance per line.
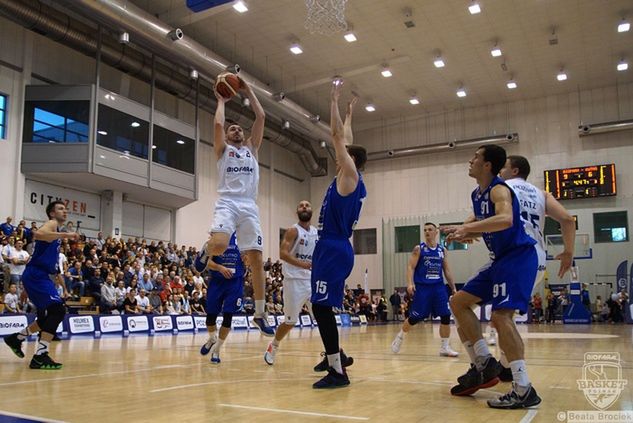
x=305 y=216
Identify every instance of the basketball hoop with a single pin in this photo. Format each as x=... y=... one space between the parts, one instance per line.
x=325 y=16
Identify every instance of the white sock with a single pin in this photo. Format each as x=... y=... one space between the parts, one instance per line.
x=216 y=347
x=520 y=377
x=23 y=334
x=42 y=347
x=275 y=343
x=259 y=307
x=481 y=348
x=504 y=360
x=470 y=350
x=402 y=333
x=212 y=339
x=445 y=345
x=334 y=360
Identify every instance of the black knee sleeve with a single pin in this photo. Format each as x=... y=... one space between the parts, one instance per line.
x=445 y=320
x=211 y=319
x=54 y=316
x=414 y=320
x=324 y=316
x=227 y=318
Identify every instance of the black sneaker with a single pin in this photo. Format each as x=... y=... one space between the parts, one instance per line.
x=512 y=400
x=44 y=362
x=324 y=365
x=333 y=379
x=505 y=373
x=471 y=370
x=475 y=380
x=15 y=344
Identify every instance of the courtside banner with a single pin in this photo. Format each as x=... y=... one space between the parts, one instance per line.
x=363 y=319
x=184 y=323
x=306 y=320
x=200 y=322
x=81 y=324
x=338 y=319
x=137 y=323
x=162 y=323
x=110 y=324
x=281 y=319
x=239 y=322
x=271 y=321
x=12 y=323
x=251 y=323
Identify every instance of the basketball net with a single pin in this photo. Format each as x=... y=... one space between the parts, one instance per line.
x=325 y=16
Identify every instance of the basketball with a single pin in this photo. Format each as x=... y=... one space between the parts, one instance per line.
x=227 y=84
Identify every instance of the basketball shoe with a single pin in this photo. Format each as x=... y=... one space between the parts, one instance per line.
x=475 y=380
x=396 y=344
x=448 y=352
x=269 y=355
x=44 y=362
x=15 y=344
x=324 y=365
x=513 y=400
x=333 y=379
x=263 y=326
x=204 y=350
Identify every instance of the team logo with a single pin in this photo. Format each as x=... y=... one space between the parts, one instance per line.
x=602 y=380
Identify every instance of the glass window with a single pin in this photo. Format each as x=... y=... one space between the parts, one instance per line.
x=56 y=121
x=453 y=245
x=3 y=116
x=365 y=241
x=611 y=227
x=122 y=132
x=407 y=237
x=552 y=227
x=173 y=150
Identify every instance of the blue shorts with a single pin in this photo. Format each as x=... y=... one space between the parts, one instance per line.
x=39 y=287
x=225 y=295
x=430 y=299
x=506 y=283
x=332 y=263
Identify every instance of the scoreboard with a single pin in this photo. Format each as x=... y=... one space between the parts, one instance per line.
x=581 y=182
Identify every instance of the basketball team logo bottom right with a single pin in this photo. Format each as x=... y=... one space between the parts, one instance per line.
x=602 y=384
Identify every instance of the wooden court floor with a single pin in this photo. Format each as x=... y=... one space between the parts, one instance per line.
x=163 y=378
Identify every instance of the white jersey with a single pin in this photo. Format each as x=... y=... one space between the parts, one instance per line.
x=302 y=250
x=238 y=173
x=532 y=202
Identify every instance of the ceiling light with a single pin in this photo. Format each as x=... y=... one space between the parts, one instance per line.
x=562 y=76
x=511 y=84
x=370 y=108
x=414 y=100
x=624 y=26
x=154 y=147
x=386 y=73
x=240 y=6
x=102 y=133
x=135 y=124
x=622 y=66
x=285 y=124
x=495 y=52
x=350 y=37
x=181 y=142
x=439 y=63
x=474 y=8
x=296 y=49
x=461 y=92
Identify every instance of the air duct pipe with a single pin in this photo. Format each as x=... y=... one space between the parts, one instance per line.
x=442 y=147
x=42 y=19
x=605 y=127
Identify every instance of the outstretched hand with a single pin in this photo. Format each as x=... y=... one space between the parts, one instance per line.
x=337 y=87
x=219 y=96
x=566 y=259
x=351 y=104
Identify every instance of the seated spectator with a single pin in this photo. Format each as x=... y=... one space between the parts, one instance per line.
x=93 y=289
x=121 y=292
x=186 y=307
x=155 y=302
x=270 y=306
x=142 y=301
x=130 y=304
x=108 y=296
x=11 y=300
x=77 y=284
x=146 y=283
x=7 y=228
x=26 y=305
x=197 y=308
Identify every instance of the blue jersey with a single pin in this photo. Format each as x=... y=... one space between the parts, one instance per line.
x=46 y=256
x=429 y=269
x=501 y=242
x=340 y=214
x=231 y=259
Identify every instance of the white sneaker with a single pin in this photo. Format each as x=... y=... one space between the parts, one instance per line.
x=448 y=352
x=269 y=355
x=396 y=344
x=492 y=340
x=215 y=357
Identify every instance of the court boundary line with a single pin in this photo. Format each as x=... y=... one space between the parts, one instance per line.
x=222 y=382
x=529 y=416
x=303 y=413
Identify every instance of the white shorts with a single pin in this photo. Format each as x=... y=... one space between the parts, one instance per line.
x=296 y=293
x=242 y=217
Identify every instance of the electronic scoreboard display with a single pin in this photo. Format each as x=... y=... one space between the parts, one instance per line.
x=581 y=182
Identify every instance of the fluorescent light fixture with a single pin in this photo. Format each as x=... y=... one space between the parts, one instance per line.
x=495 y=52
x=511 y=85
x=240 y=6
x=624 y=26
x=562 y=76
x=109 y=97
x=154 y=147
x=474 y=8
x=350 y=37
x=370 y=108
x=285 y=124
x=181 y=142
x=135 y=124
x=386 y=73
x=461 y=92
x=101 y=156
x=102 y=133
x=414 y=101
x=439 y=63
x=622 y=66
x=296 y=49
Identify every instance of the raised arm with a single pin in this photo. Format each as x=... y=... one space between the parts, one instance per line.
x=347 y=125
x=219 y=137
x=568 y=228
x=257 y=131
x=48 y=232
x=347 y=176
